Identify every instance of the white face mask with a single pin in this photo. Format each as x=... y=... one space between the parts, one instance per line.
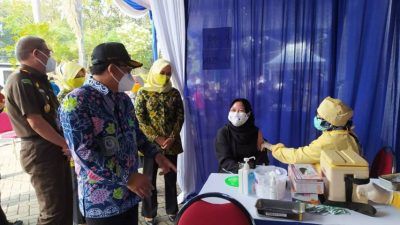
x=126 y=83
x=50 y=65
x=238 y=118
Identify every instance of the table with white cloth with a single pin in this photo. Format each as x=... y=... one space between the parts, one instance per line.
x=386 y=215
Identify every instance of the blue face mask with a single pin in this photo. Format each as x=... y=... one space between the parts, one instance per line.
x=318 y=124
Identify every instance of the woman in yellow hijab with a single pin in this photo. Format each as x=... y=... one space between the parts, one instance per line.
x=71 y=75
x=158 y=79
x=159 y=110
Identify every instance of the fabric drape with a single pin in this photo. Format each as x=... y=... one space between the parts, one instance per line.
x=286 y=57
x=169 y=21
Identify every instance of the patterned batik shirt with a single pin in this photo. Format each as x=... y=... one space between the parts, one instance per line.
x=161 y=114
x=103 y=135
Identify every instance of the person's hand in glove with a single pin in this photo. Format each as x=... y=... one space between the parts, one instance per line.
x=374 y=193
x=266 y=146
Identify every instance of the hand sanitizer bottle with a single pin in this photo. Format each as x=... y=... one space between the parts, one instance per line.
x=240 y=175
x=244 y=186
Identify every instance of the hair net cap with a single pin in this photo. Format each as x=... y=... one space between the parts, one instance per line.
x=334 y=111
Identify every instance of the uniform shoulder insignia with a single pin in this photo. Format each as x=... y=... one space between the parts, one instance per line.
x=24 y=71
x=26 y=81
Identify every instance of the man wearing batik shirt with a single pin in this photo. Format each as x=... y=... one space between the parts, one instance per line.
x=103 y=135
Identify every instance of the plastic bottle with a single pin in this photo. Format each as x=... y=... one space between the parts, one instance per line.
x=240 y=175
x=244 y=186
x=251 y=182
x=272 y=186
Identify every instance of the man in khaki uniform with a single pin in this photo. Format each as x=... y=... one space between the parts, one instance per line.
x=32 y=107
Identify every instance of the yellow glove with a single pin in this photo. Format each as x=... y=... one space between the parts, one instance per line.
x=374 y=193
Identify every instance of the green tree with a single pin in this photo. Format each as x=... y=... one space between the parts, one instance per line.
x=102 y=22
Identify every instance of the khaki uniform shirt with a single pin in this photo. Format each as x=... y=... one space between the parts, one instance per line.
x=29 y=92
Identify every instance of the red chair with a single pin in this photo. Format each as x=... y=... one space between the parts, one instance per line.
x=200 y=212
x=384 y=163
x=6 y=130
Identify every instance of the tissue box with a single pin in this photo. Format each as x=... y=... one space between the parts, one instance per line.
x=335 y=165
x=305 y=179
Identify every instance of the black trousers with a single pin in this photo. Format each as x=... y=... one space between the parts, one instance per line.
x=76 y=213
x=149 y=205
x=129 y=217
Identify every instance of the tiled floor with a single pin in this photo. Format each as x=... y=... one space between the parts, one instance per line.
x=18 y=198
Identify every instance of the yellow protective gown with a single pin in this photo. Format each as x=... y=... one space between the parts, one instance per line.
x=328 y=141
x=396 y=199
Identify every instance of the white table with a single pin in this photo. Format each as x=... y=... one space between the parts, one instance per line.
x=386 y=215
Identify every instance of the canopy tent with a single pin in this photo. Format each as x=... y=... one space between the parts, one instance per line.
x=285 y=57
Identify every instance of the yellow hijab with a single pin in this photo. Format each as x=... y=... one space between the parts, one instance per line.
x=153 y=81
x=67 y=75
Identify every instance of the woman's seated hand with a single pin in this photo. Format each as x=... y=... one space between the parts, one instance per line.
x=266 y=146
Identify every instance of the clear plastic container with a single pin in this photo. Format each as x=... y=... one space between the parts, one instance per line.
x=262 y=182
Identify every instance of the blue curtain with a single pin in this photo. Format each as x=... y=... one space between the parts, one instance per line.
x=285 y=57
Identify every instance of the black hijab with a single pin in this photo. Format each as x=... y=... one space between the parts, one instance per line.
x=246 y=133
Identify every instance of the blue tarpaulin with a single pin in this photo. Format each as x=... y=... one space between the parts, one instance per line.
x=285 y=57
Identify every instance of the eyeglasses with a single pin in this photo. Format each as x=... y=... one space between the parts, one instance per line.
x=47 y=51
x=125 y=67
x=166 y=74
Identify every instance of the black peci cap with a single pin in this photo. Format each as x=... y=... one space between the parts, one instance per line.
x=112 y=52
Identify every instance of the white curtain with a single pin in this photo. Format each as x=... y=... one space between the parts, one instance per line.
x=169 y=21
x=134 y=13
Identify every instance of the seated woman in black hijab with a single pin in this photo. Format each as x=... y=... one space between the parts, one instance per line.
x=239 y=139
